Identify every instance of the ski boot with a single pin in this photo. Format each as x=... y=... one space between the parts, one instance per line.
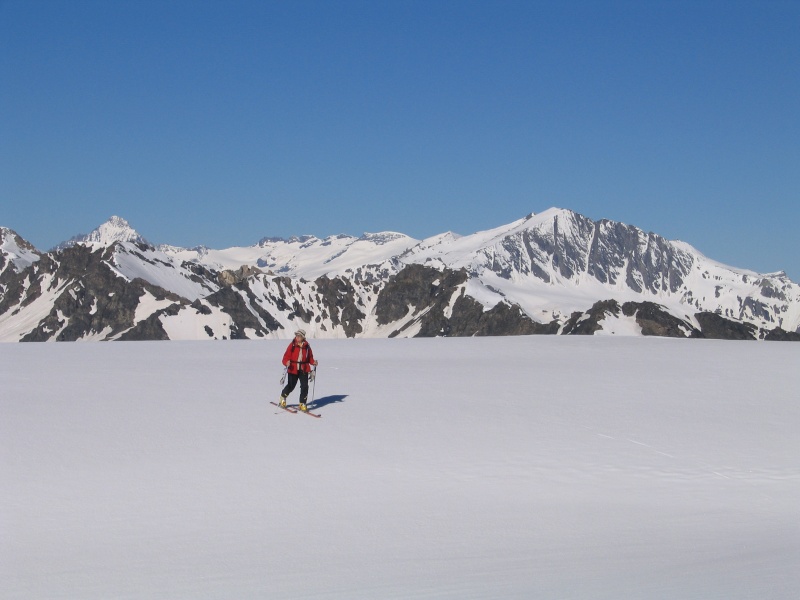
x=303 y=407
x=282 y=403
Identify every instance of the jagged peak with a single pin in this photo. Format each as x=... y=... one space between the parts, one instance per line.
x=16 y=249
x=9 y=234
x=116 y=229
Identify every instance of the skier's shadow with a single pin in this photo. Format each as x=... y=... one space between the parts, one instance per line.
x=326 y=400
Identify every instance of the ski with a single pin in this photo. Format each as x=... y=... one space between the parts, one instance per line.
x=309 y=413
x=294 y=410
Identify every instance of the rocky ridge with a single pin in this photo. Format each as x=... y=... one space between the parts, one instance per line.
x=556 y=272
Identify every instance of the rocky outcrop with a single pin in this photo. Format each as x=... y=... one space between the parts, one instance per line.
x=471 y=319
x=655 y=320
x=244 y=314
x=438 y=301
x=229 y=277
x=337 y=300
x=414 y=288
x=590 y=322
x=779 y=335
x=151 y=328
x=714 y=326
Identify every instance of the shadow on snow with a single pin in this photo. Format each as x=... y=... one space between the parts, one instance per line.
x=326 y=400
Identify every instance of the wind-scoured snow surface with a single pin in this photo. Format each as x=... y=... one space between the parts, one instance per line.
x=526 y=467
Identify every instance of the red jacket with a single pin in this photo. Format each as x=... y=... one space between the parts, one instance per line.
x=298 y=357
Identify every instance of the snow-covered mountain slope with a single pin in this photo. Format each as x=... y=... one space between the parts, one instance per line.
x=553 y=272
x=551 y=264
x=308 y=257
x=535 y=467
x=93 y=288
x=79 y=293
x=133 y=260
x=558 y=262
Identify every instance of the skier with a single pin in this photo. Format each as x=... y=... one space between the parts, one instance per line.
x=298 y=359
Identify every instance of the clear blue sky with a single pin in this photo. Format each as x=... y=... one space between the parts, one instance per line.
x=221 y=122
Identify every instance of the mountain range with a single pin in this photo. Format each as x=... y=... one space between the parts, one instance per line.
x=555 y=272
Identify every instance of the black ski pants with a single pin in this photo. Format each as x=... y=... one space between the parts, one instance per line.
x=291 y=383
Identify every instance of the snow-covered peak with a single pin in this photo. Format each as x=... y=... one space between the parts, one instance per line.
x=457 y=251
x=15 y=250
x=116 y=229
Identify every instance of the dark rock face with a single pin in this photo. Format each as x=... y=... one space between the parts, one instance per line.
x=655 y=320
x=716 y=327
x=652 y=318
x=779 y=335
x=12 y=284
x=590 y=322
x=470 y=319
x=234 y=305
x=428 y=292
x=151 y=328
x=416 y=286
x=337 y=300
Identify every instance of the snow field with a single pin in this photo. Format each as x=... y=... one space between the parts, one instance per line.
x=528 y=467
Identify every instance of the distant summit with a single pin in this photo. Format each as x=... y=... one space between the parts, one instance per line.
x=116 y=229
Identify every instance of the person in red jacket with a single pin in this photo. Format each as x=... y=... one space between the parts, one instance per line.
x=298 y=360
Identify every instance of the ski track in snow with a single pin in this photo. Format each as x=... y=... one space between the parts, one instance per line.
x=529 y=467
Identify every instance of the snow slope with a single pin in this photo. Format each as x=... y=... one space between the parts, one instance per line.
x=308 y=257
x=160 y=269
x=525 y=467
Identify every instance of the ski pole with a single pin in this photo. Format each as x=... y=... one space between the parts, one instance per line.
x=313 y=384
